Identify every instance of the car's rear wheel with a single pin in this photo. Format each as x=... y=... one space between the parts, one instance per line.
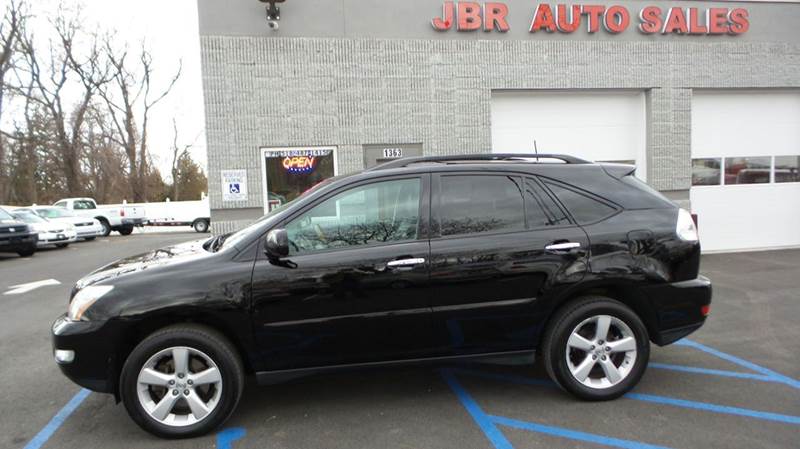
x=182 y=381
x=596 y=348
x=27 y=251
x=89 y=239
x=126 y=230
x=62 y=245
x=200 y=226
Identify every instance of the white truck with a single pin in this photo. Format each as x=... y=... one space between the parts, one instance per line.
x=122 y=218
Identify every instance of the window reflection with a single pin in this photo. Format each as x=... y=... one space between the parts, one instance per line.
x=747 y=170
x=475 y=204
x=376 y=213
x=786 y=168
x=706 y=172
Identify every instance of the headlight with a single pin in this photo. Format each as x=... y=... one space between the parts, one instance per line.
x=84 y=299
x=685 y=227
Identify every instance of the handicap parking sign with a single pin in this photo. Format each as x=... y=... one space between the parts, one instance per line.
x=234 y=185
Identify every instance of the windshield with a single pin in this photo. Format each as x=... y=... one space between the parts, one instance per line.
x=29 y=217
x=54 y=212
x=5 y=215
x=232 y=239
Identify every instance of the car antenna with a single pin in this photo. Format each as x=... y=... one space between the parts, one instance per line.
x=536 y=150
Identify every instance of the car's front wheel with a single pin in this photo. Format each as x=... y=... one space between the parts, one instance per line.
x=182 y=381
x=596 y=348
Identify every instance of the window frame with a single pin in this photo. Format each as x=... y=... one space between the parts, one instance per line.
x=617 y=208
x=423 y=211
x=570 y=219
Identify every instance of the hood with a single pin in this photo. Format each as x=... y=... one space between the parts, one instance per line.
x=14 y=224
x=157 y=259
x=49 y=227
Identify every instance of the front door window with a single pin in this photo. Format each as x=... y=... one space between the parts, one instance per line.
x=377 y=213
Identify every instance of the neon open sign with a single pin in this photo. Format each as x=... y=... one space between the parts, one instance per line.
x=299 y=164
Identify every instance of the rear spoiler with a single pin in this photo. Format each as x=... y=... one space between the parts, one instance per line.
x=618 y=170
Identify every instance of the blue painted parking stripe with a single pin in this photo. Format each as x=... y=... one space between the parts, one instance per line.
x=705 y=406
x=789 y=419
x=487 y=423
x=713 y=372
x=572 y=434
x=741 y=362
x=47 y=431
x=226 y=438
x=491 y=431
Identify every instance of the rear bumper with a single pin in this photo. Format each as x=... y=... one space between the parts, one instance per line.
x=92 y=365
x=133 y=221
x=678 y=307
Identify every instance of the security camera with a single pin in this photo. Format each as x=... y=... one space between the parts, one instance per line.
x=273 y=25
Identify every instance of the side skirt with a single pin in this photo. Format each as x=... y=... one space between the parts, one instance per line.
x=499 y=358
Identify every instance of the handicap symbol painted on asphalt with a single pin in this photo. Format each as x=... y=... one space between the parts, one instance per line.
x=226 y=438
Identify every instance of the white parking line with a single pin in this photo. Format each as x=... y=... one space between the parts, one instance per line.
x=25 y=288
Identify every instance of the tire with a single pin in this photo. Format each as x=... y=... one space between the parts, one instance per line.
x=200 y=226
x=106 y=227
x=89 y=239
x=125 y=230
x=27 y=252
x=62 y=245
x=567 y=359
x=156 y=351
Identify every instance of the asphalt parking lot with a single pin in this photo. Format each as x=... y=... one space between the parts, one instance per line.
x=733 y=384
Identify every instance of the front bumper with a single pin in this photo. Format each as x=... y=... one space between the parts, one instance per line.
x=52 y=238
x=17 y=242
x=679 y=308
x=89 y=231
x=92 y=363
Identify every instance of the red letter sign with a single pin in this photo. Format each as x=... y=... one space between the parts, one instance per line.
x=593 y=12
x=739 y=22
x=494 y=15
x=617 y=19
x=676 y=22
x=543 y=19
x=568 y=22
x=444 y=23
x=650 y=20
x=469 y=16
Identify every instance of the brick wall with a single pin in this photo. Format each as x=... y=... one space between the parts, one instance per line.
x=347 y=92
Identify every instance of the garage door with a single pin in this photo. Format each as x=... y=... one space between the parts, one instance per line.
x=745 y=156
x=607 y=125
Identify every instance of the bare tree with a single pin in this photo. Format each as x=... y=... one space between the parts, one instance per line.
x=178 y=153
x=11 y=28
x=52 y=78
x=128 y=97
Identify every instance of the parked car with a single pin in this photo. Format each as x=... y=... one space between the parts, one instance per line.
x=86 y=228
x=50 y=233
x=419 y=259
x=113 y=218
x=16 y=236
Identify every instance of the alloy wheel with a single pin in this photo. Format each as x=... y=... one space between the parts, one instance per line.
x=179 y=386
x=601 y=351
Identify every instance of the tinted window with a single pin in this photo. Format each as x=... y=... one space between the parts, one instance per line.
x=471 y=204
x=582 y=207
x=375 y=213
x=540 y=208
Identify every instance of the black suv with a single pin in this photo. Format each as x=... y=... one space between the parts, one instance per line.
x=16 y=236
x=419 y=259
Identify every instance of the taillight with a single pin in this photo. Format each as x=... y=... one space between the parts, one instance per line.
x=685 y=227
x=122 y=212
x=705 y=310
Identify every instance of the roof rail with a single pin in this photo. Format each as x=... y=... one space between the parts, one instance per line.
x=406 y=161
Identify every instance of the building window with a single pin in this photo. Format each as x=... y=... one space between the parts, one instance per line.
x=786 y=168
x=290 y=172
x=706 y=171
x=747 y=170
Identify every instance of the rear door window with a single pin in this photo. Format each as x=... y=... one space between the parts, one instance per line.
x=473 y=204
x=583 y=207
x=540 y=208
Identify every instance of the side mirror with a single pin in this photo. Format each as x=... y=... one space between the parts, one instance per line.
x=277 y=244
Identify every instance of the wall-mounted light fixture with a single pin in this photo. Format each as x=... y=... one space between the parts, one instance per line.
x=273 y=13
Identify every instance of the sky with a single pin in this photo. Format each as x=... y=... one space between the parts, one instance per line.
x=170 y=30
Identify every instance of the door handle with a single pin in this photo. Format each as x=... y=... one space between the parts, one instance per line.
x=405 y=262
x=563 y=246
